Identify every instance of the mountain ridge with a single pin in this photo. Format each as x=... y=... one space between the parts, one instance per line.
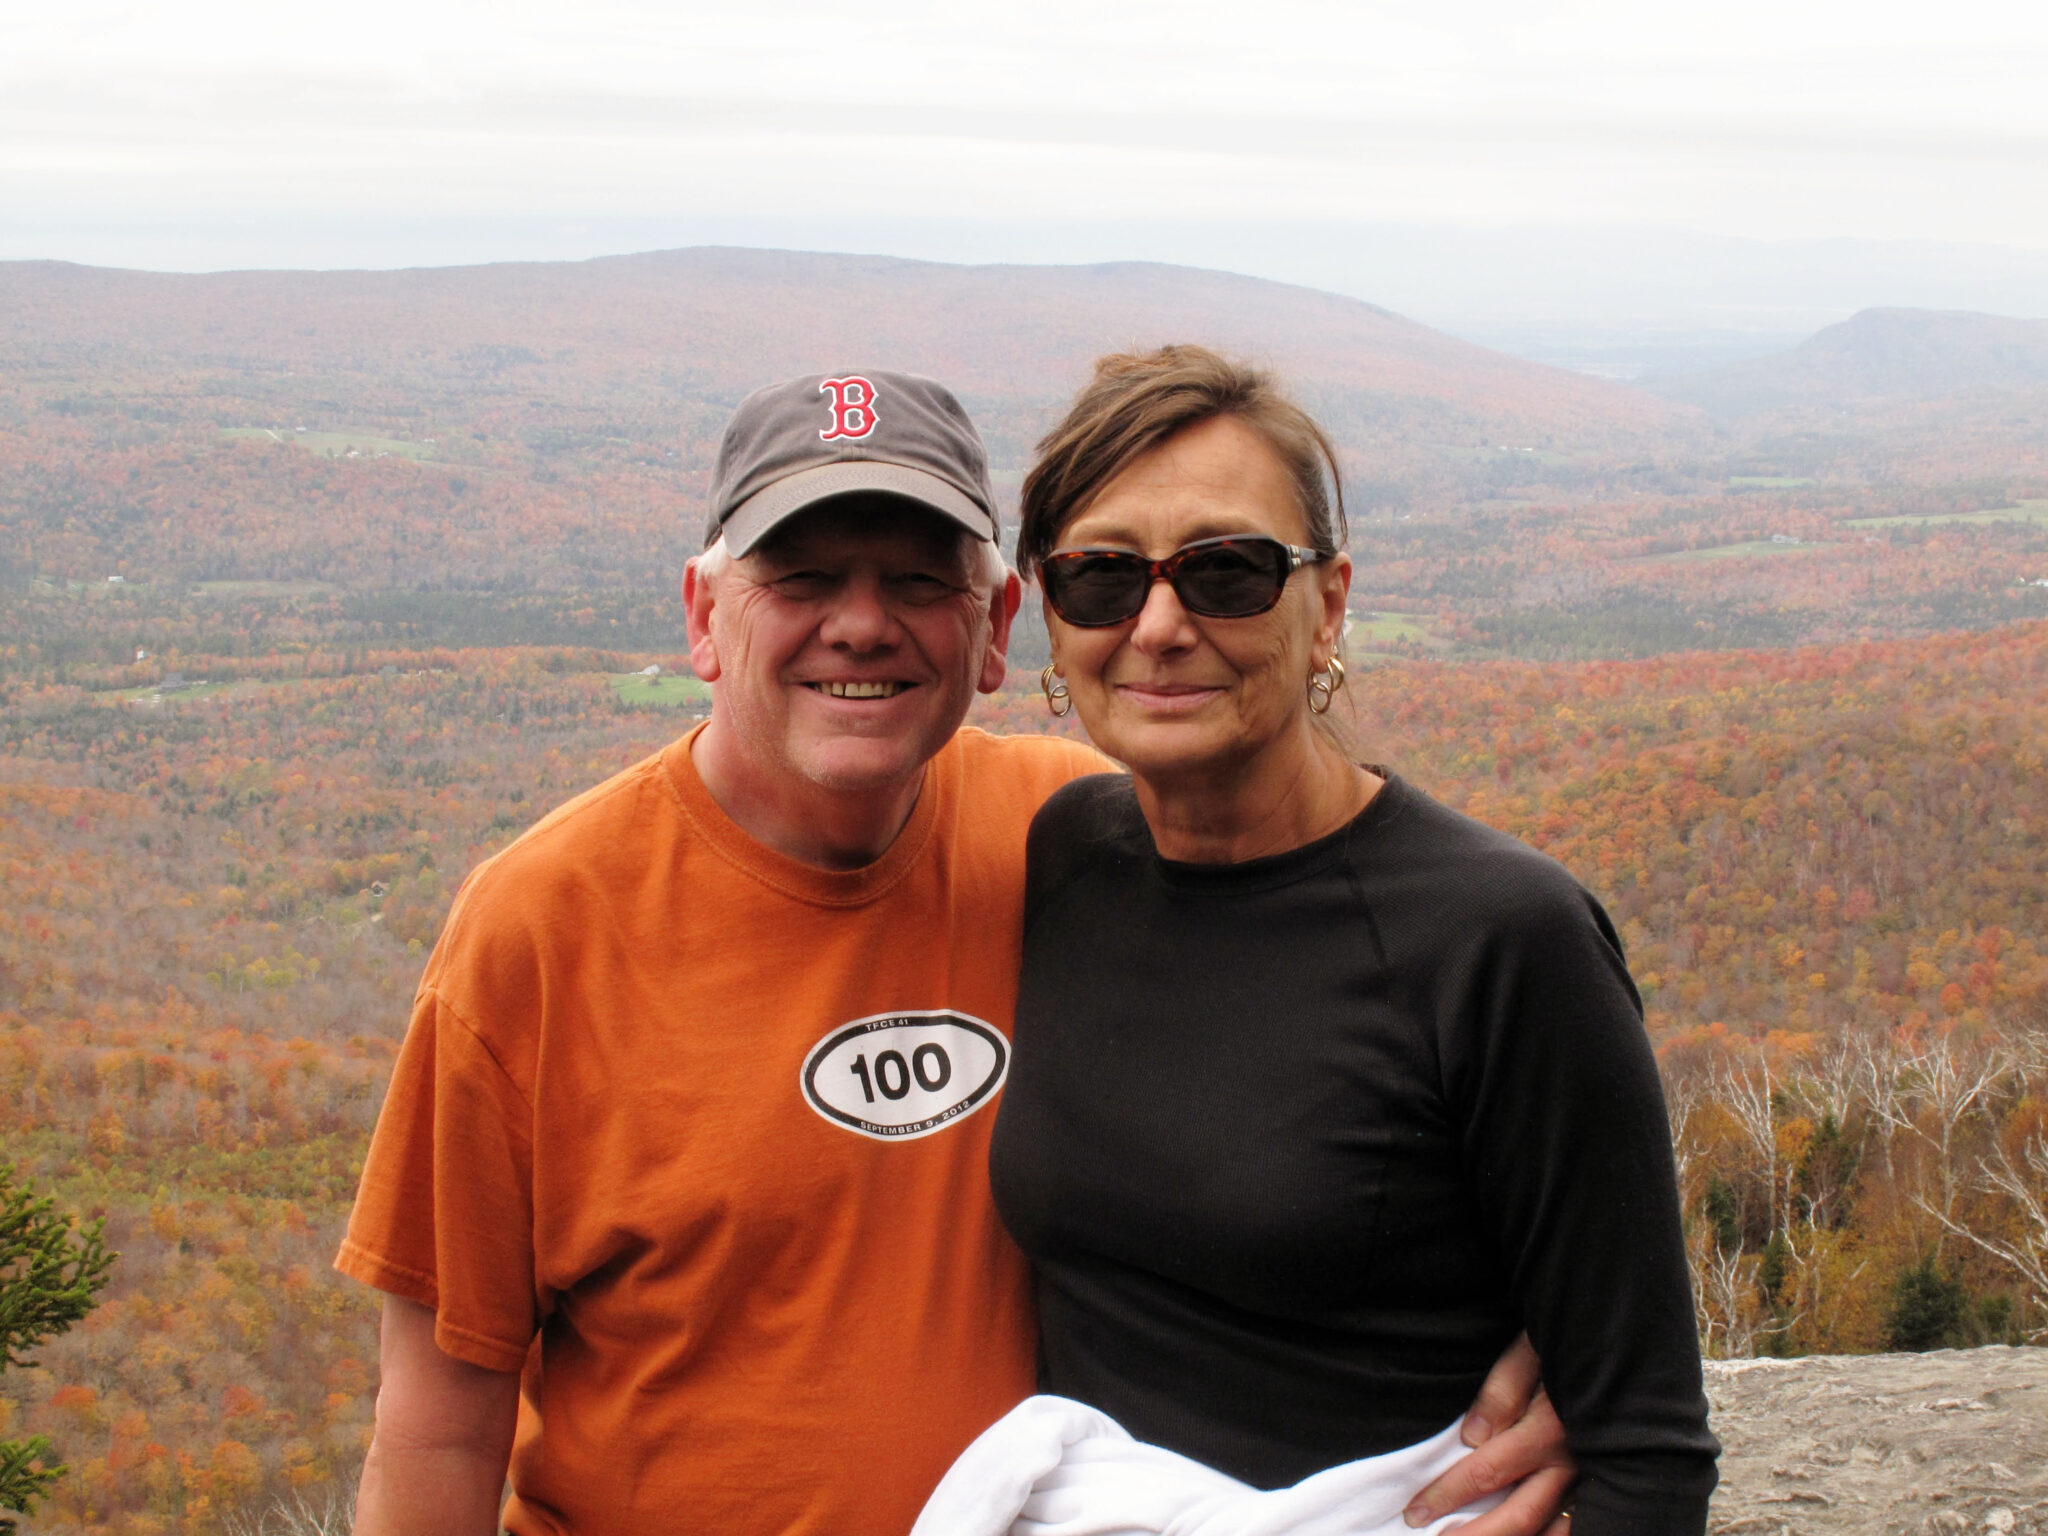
x=721 y=320
x=1878 y=356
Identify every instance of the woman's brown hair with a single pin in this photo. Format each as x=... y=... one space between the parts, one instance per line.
x=1135 y=402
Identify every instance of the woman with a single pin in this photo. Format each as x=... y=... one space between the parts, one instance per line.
x=1322 y=1091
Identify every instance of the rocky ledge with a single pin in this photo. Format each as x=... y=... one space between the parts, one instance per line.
x=1938 y=1444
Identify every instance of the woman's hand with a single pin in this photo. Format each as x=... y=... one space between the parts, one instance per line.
x=1519 y=1443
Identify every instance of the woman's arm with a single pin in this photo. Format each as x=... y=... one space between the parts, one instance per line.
x=1569 y=1153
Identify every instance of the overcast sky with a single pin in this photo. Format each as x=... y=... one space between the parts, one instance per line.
x=1773 y=119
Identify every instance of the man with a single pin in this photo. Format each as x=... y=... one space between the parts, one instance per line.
x=690 y=1127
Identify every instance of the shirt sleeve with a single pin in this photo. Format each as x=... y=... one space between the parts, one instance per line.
x=1571 y=1157
x=444 y=1214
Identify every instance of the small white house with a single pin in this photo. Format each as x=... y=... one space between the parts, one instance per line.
x=652 y=669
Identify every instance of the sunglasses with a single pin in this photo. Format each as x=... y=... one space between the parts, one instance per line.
x=1233 y=577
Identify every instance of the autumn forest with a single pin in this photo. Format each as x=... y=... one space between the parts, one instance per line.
x=315 y=590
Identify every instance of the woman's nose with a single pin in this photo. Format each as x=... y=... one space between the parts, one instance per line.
x=1163 y=625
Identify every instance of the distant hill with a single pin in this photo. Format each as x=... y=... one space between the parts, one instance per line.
x=519 y=453
x=1880 y=356
x=651 y=346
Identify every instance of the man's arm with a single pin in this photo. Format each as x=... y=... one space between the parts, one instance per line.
x=444 y=1435
x=1519 y=1441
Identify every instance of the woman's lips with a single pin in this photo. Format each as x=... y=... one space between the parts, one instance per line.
x=1168 y=698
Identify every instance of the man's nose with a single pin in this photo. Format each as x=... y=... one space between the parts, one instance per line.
x=859 y=619
x=1163 y=625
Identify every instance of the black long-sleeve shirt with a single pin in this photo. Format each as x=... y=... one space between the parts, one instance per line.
x=1298 y=1145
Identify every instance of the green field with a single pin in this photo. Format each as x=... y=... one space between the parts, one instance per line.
x=262 y=588
x=147 y=693
x=51 y=586
x=1547 y=458
x=1766 y=482
x=338 y=444
x=668 y=691
x=1384 y=628
x=2035 y=511
x=1746 y=550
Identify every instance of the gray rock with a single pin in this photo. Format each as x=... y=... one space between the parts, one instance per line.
x=1952 y=1441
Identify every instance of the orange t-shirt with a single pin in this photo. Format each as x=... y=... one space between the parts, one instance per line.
x=713 y=1124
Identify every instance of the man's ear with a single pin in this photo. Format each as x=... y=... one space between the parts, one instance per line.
x=698 y=601
x=1002 y=611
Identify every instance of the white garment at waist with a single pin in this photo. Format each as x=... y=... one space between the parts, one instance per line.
x=1054 y=1467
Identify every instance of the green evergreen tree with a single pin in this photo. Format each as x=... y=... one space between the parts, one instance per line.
x=50 y=1276
x=1770 y=1273
x=1928 y=1309
x=1827 y=1172
x=1723 y=1216
x=1995 y=1320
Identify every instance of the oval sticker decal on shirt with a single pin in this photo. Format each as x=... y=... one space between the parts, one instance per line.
x=896 y=1076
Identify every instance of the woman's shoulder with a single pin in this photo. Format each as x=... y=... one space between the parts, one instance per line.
x=1096 y=801
x=1082 y=821
x=1492 y=873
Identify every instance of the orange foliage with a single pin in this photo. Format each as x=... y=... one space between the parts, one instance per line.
x=218 y=901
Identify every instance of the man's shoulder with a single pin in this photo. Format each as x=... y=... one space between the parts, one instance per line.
x=571 y=847
x=999 y=782
x=1034 y=766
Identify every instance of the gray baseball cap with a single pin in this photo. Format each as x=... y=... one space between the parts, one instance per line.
x=798 y=442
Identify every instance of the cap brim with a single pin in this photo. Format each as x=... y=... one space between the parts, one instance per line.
x=753 y=519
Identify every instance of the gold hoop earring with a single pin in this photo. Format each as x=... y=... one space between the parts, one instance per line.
x=1055 y=692
x=1323 y=686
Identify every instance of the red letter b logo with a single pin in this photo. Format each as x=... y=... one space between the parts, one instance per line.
x=853 y=407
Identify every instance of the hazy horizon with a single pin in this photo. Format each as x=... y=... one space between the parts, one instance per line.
x=1620 y=301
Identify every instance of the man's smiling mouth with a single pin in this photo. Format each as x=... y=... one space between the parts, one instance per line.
x=861 y=690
